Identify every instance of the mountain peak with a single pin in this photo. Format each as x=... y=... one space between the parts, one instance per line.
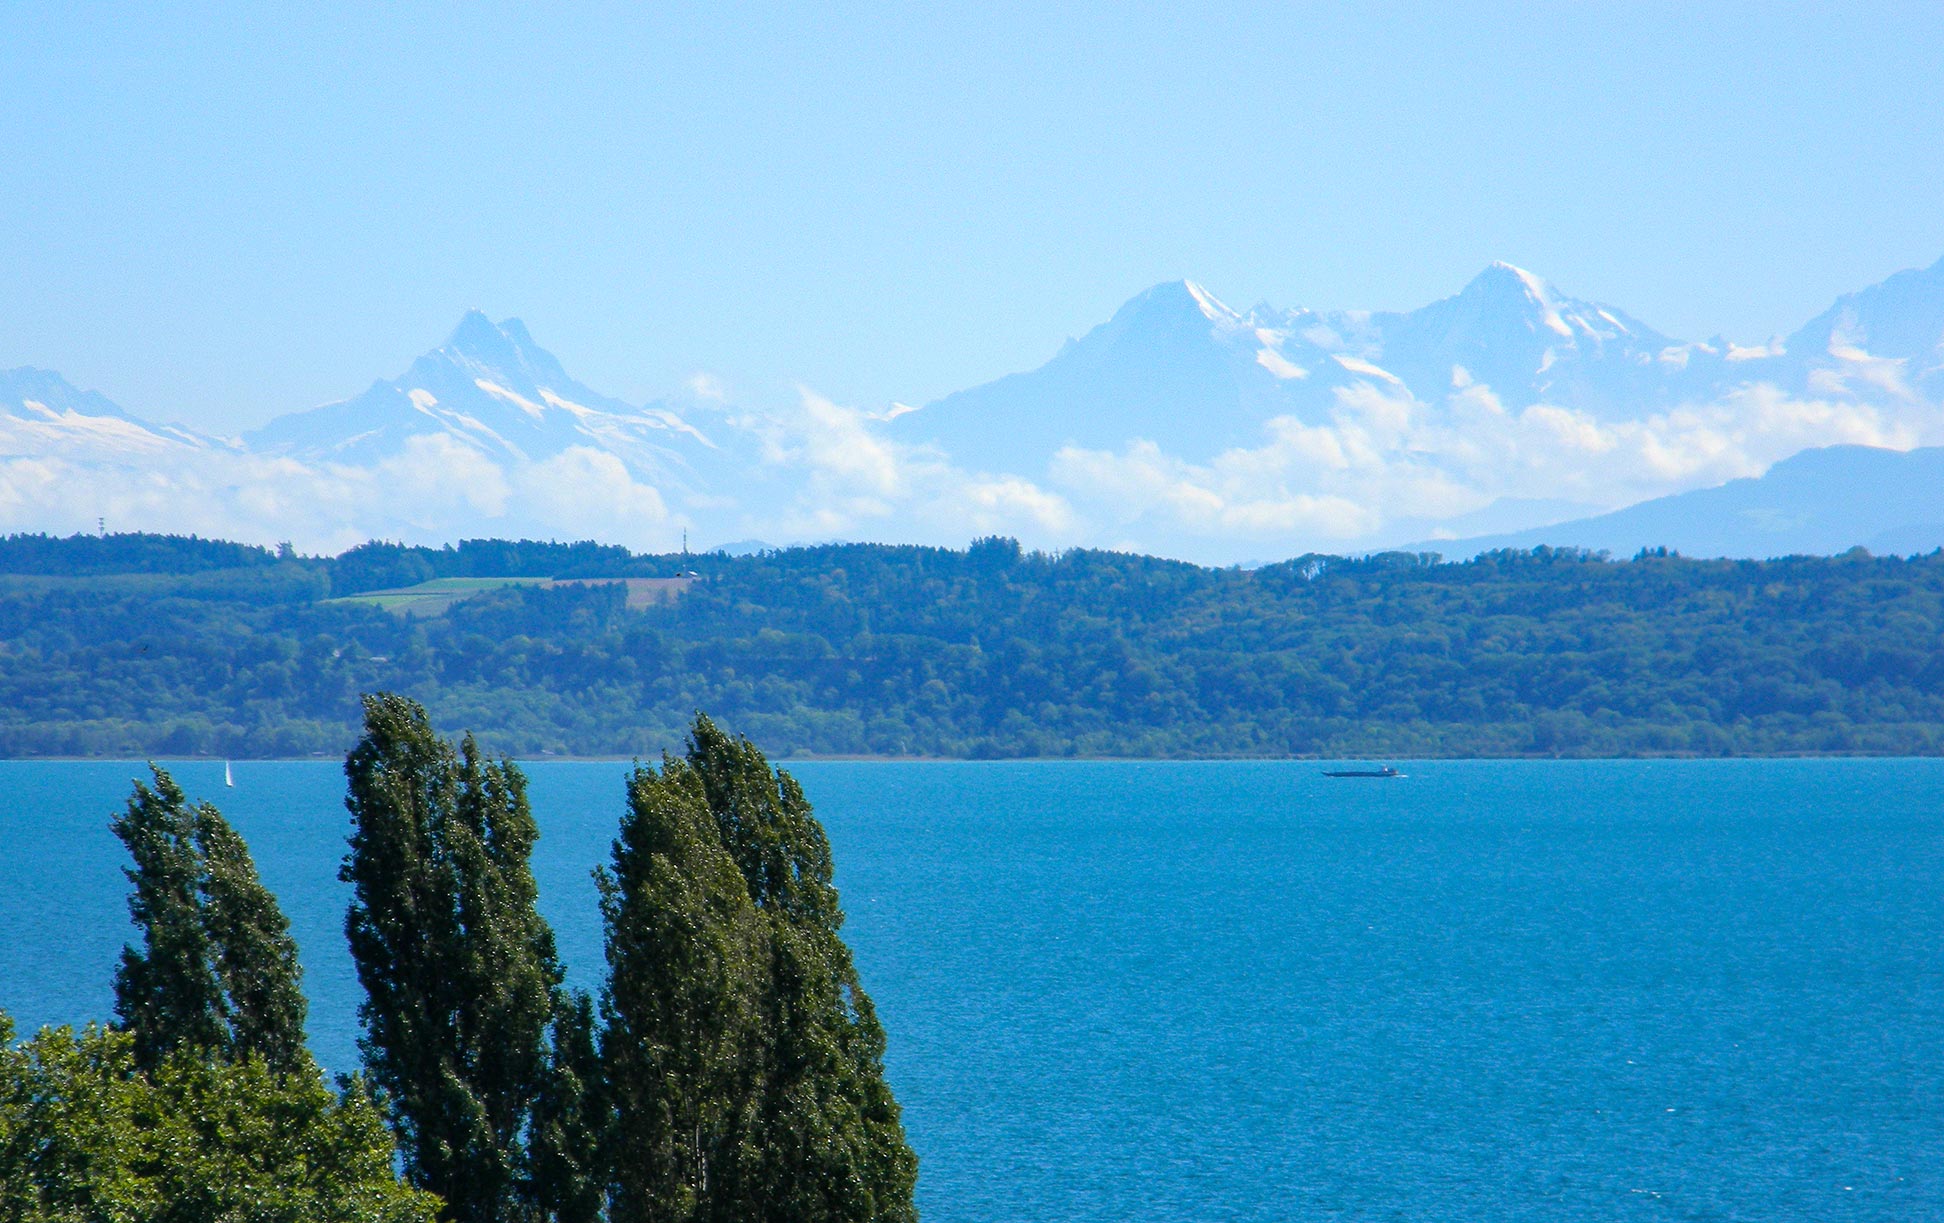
x=1507 y=286
x=477 y=335
x=491 y=389
x=1900 y=316
x=1500 y=277
x=505 y=346
x=1211 y=307
x=1177 y=301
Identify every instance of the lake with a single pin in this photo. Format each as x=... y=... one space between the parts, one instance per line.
x=1241 y=991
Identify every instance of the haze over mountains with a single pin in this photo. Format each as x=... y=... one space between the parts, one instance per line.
x=1180 y=426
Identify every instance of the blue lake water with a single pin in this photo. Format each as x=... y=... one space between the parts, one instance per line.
x=1204 y=992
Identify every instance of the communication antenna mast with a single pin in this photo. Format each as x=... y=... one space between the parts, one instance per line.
x=101 y=524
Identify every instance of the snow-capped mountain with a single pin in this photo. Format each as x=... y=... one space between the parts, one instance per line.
x=1180 y=426
x=1511 y=331
x=42 y=414
x=1186 y=424
x=492 y=390
x=1177 y=367
x=1886 y=340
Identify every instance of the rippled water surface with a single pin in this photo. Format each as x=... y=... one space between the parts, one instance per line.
x=1203 y=992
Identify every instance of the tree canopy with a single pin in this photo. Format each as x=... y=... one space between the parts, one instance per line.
x=217 y=970
x=734 y=1069
x=458 y=967
x=87 y=1136
x=993 y=651
x=743 y=1057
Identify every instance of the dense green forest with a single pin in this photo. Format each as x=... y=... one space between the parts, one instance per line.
x=156 y=645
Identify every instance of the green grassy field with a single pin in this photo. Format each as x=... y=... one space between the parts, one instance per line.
x=433 y=598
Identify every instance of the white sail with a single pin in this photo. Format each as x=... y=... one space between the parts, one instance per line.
x=227 y=779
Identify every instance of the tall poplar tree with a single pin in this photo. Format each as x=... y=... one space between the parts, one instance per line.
x=218 y=969
x=254 y=956
x=682 y=1042
x=830 y=1130
x=459 y=969
x=745 y=1058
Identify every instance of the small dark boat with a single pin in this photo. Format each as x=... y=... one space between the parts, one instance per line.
x=1386 y=771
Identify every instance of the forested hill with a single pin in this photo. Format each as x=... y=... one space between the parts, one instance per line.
x=985 y=652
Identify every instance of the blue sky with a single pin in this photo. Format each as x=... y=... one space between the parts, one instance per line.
x=223 y=212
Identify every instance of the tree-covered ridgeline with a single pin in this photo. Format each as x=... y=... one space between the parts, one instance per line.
x=991 y=651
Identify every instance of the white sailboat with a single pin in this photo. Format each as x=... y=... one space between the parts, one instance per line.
x=227 y=779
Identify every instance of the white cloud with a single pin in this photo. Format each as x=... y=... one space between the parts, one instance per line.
x=1858 y=372
x=589 y=493
x=849 y=480
x=1385 y=458
x=435 y=489
x=1371 y=465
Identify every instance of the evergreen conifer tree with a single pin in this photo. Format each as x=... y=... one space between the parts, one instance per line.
x=458 y=967
x=218 y=970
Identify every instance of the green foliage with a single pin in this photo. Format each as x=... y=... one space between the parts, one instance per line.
x=218 y=970
x=131 y=552
x=997 y=652
x=571 y=1120
x=681 y=1043
x=459 y=970
x=383 y=566
x=254 y=956
x=86 y=1137
x=743 y=1057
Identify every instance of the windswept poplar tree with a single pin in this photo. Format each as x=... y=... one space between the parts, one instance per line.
x=682 y=1041
x=218 y=969
x=458 y=967
x=831 y=1133
x=745 y=1059
x=254 y=955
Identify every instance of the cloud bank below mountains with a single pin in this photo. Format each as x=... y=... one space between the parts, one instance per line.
x=1382 y=469
x=434 y=490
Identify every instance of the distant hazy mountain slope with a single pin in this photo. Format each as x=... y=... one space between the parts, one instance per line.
x=1188 y=427
x=1887 y=339
x=1511 y=331
x=1173 y=365
x=1821 y=501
